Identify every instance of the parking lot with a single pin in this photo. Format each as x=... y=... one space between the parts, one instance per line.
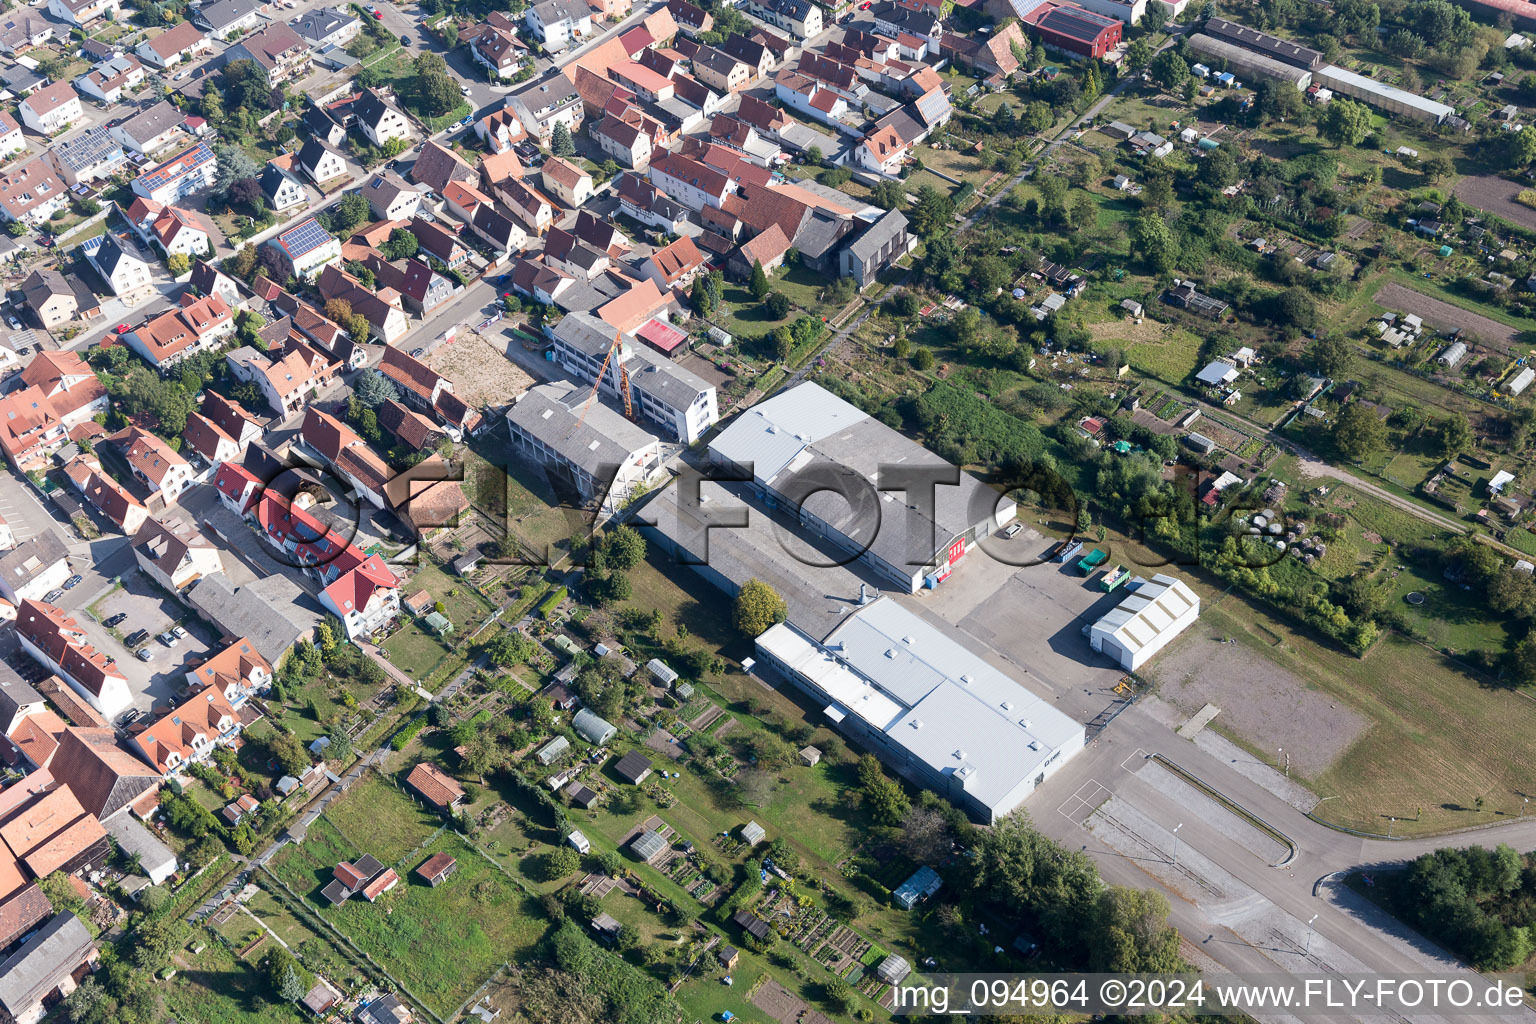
x=154 y=683
x=1033 y=618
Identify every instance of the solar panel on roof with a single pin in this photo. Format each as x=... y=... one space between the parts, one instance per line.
x=307 y=236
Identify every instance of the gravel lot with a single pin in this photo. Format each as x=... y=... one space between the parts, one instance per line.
x=1263 y=704
x=481 y=373
x=1443 y=316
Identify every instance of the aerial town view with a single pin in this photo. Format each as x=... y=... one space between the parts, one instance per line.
x=766 y=511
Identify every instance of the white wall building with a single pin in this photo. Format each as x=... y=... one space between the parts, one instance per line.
x=1146 y=621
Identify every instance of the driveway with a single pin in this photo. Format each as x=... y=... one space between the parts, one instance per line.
x=154 y=683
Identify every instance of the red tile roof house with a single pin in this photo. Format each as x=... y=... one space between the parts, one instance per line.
x=236 y=810
x=155 y=464
x=346 y=453
x=54 y=637
x=105 y=494
x=381 y=884
x=435 y=786
x=220 y=430
x=237 y=671
x=188 y=732
x=199 y=325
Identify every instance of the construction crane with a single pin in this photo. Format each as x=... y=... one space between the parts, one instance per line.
x=602 y=372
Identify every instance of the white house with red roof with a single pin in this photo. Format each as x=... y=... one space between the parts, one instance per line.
x=54 y=637
x=12 y=142
x=59 y=392
x=365 y=599
x=154 y=463
x=200 y=324
x=188 y=732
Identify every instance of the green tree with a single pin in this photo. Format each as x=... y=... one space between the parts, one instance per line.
x=509 y=648
x=178 y=263
x=1358 y=432
x=1520 y=149
x=1332 y=356
x=231 y=164
x=776 y=305
x=758 y=285
x=557 y=863
x=932 y=212
x=1155 y=244
x=560 y=142
x=1169 y=69
x=1452 y=435
x=374 y=389
x=888 y=195
x=922 y=358
x=1138 y=54
x=758 y=607
x=1345 y=122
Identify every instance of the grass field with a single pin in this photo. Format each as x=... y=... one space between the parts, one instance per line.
x=414 y=648
x=214 y=987
x=1439 y=739
x=440 y=942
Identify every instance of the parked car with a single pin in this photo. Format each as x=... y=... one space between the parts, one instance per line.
x=168 y=638
x=52 y=597
x=179 y=633
x=1013 y=530
x=137 y=637
x=115 y=619
x=15 y=324
x=144 y=653
x=123 y=328
x=73 y=582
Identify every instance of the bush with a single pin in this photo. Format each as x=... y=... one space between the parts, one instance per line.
x=407 y=733
x=551 y=602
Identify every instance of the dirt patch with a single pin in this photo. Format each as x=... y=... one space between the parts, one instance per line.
x=784 y=1006
x=1261 y=703
x=482 y=374
x=664 y=742
x=1443 y=316
x=1495 y=195
x=1148 y=332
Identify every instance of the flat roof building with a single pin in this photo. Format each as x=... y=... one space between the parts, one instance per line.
x=1381 y=95
x=806 y=449
x=1145 y=622
x=1249 y=62
x=1263 y=43
x=935 y=712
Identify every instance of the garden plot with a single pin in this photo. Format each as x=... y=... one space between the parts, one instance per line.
x=1443 y=316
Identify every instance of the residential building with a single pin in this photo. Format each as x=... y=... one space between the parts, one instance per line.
x=689 y=182
x=151 y=130
x=172 y=550
x=180 y=42
x=437 y=165
x=894 y=19
x=51 y=109
x=680 y=403
x=84 y=13
x=189 y=171
x=674 y=265
x=54 y=637
x=559 y=23
x=391 y=197
x=50 y=298
x=23 y=30
x=122 y=265
x=500 y=130
x=90 y=155
x=107 y=81
x=348 y=455
x=440 y=245
x=720 y=71
x=327 y=26
x=33 y=568
x=154 y=463
x=503 y=234
x=880 y=245
x=283 y=191
x=228 y=18
x=690 y=19
x=382 y=309
x=188 y=732
x=287 y=382
x=596 y=450
x=208 y=280
x=277 y=50
x=237 y=672
x=802 y=19
x=321 y=161
x=936 y=713
x=527 y=205
x=494 y=43
x=629 y=144
x=103 y=493
x=197 y=325
x=546 y=103
x=567 y=182
x=173 y=229
x=60 y=391
x=12 y=142
x=379 y=119
x=307 y=249
x=645 y=202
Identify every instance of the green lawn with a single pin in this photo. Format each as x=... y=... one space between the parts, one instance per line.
x=214 y=987
x=443 y=942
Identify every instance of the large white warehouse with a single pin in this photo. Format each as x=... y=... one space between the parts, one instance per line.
x=1146 y=621
x=928 y=707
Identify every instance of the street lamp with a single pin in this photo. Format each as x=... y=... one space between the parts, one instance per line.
x=1176 y=843
x=1309 y=935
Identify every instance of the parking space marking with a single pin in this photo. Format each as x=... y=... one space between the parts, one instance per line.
x=1134 y=762
x=1077 y=807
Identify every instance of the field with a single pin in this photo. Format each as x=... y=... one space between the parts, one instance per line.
x=415 y=649
x=215 y=987
x=441 y=943
x=1444 y=316
x=481 y=373
x=1497 y=196
x=1158 y=350
x=1437 y=739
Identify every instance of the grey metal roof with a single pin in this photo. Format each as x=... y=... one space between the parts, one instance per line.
x=771 y=434
x=592 y=727
x=43 y=963
x=254 y=611
x=225 y=12
x=955 y=712
x=551 y=11
x=553 y=414
x=321 y=22
x=136 y=839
